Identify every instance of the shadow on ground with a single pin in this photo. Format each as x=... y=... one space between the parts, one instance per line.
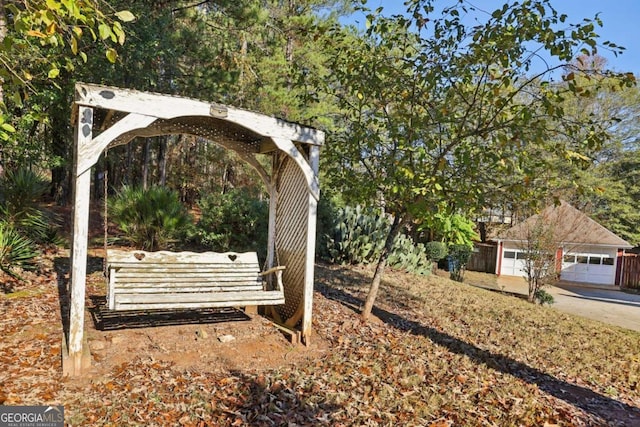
x=110 y=320
x=584 y=398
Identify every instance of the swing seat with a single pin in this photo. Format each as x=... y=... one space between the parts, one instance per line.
x=139 y=280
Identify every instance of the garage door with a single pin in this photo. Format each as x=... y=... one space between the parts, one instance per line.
x=589 y=268
x=512 y=263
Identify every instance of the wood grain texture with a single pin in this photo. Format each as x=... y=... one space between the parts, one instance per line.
x=166 y=280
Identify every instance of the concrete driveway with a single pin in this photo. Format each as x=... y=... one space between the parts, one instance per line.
x=608 y=305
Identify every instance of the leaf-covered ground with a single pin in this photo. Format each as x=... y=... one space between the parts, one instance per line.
x=438 y=353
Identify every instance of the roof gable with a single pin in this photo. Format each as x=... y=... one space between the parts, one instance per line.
x=572 y=226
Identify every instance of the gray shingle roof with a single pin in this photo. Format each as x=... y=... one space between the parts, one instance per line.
x=570 y=226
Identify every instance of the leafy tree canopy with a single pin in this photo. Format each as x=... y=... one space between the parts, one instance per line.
x=435 y=111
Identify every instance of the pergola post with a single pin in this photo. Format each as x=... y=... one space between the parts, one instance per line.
x=314 y=162
x=75 y=357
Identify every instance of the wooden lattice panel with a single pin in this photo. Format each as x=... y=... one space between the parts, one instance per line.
x=291 y=236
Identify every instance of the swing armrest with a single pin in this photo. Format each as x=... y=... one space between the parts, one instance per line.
x=272 y=270
x=278 y=271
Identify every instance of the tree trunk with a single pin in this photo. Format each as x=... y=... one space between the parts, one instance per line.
x=147 y=164
x=162 y=160
x=3 y=33
x=396 y=226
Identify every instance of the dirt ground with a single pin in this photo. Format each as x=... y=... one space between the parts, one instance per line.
x=204 y=340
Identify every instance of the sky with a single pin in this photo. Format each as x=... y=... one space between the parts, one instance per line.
x=620 y=18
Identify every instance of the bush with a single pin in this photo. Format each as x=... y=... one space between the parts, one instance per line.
x=234 y=221
x=543 y=297
x=150 y=219
x=459 y=256
x=435 y=251
x=328 y=208
x=358 y=237
x=20 y=192
x=15 y=250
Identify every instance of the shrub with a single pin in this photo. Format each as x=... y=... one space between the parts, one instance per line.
x=358 y=237
x=459 y=256
x=20 y=192
x=328 y=207
x=22 y=189
x=15 y=250
x=543 y=297
x=406 y=255
x=150 y=219
x=234 y=221
x=435 y=251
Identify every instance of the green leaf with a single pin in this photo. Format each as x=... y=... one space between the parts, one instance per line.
x=105 y=31
x=53 y=73
x=7 y=127
x=74 y=45
x=112 y=55
x=84 y=57
x=125 y=16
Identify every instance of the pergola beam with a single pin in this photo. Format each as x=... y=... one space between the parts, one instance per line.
x=169 y=107
x=89 y=153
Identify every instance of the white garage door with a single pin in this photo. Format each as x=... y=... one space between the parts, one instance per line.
x=589 y=268
x=512 y=263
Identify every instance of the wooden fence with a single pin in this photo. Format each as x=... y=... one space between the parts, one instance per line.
x=630 y=271
x=483 y=258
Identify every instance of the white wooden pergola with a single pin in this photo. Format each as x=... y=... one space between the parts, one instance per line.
x=104 y=117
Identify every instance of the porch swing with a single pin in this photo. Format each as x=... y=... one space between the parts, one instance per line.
x=142 y=280
x=148 y=280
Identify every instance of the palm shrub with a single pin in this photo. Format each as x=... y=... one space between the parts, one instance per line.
x=233 y=221
x=150 y=219
x=20 y=192
x=16 y=250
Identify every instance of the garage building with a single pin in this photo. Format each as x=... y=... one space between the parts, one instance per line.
x=585 y=251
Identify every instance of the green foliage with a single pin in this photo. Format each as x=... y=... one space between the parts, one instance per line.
x=408 y=256
x=150 y=219
x=485 y=118
x=21 y=189
x=16 y=250
x=459 y=256
x=328 y=211
x=452 y=228
x=234 y=221
x=435 y=250
x=20 y=192
x=70 y=28
x=543 y=297
x=358 y=237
